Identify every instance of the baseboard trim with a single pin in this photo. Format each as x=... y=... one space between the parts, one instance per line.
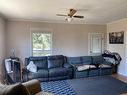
x=122 y=74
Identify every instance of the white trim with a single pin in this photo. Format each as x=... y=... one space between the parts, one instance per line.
x=122 y=74
x=38 y=30
x=89 y=41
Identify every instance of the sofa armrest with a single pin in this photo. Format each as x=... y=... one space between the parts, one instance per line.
x=67 y=65
x=75 y=66
x=33 y=86
x=14 y=89
x=25 y=73
x=26 y=61
x=24 y=70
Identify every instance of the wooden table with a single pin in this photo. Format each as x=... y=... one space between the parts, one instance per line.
x=44 y=93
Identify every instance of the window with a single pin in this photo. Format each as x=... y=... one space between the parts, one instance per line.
x=41 y=43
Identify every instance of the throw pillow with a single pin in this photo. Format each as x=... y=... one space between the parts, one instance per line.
x=32 y=67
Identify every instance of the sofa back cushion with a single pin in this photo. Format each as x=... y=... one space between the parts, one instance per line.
x=97 y=59
x=16 y=89
x=40 y=62
x=74 y=60
x=86 y=60
x=55 y=61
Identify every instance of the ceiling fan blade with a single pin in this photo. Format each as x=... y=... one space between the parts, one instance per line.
x=77 y=16
x=72 y=12
x=61 y=15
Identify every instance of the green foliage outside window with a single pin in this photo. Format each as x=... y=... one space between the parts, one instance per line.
x=41 y=44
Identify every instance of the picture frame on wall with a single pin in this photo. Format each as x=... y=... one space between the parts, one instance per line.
x=116 y=37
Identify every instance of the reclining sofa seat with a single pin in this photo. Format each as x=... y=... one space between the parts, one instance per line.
x=49 y=68
x=42 y=69
x=78 y=61
x=96 y=60
x=58 y=68
x=90 y=60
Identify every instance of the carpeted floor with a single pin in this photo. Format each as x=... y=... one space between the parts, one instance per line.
x=104 y=85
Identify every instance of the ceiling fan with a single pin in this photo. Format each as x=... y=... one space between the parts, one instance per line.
x=71 y=15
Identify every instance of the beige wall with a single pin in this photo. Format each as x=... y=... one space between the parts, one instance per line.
x=68 y=39
x=2 y=39
x=2 y=44
x=117 y=26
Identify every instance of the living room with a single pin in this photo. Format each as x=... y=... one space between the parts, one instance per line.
x=71 y=27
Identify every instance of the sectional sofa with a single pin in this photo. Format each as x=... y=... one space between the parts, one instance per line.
x=57 y=67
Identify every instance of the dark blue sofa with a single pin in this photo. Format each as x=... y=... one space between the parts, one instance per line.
x=49 y=68
x=59 y=67
x=97 y=61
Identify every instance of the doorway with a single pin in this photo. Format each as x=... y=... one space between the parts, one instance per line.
x=96 y=43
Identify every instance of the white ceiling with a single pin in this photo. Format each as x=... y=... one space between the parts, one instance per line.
x=94 y=11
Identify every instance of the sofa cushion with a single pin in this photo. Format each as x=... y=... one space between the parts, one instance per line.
x=97 y=59
x=94 y=72
x=67 y=65
x=86 y=59
x=108 y=63
x=81 y=74
x=55 y=61
x=17 y=89
x=40 y=73
x=40 y=62
x=57 y=72
x=74 y=60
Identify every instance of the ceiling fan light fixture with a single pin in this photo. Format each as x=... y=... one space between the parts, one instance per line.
x=68 y=19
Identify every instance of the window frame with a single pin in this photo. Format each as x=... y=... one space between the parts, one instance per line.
x=38 y=30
